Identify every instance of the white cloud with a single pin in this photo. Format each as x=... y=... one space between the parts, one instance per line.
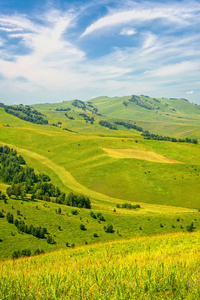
x=127 y=31
x=10 y=29
x=177 y=14
x=189 y=92
x=55 y=66
x=175 y=69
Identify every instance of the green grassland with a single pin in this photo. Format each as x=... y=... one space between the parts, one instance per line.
x=150 y=254
x=76 y=161
x=162 y=267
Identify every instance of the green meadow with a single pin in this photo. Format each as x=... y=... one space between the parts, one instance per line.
x=150 y=253
x=161 y=267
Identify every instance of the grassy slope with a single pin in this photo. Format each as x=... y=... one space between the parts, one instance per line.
x=178 y=118
x=78 y=162
x=163 y=267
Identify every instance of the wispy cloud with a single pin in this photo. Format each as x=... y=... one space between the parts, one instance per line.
x=48 y=55
x=177 y=14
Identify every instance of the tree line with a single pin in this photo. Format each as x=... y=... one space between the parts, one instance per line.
x=129 y=126
x=150 y=136
x=107 y=124
x=25 y=113
x=24 y=180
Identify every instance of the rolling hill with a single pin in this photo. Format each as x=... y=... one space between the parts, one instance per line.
x=96 y=148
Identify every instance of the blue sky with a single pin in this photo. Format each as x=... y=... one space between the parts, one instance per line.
x=58 y=50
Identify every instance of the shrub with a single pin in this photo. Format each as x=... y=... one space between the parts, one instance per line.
x=92 y=214
x=109 y=228
x=82 y=227
x=9 y=217
x=101 y=218
x=95 y=235
x=38 y=251
x=74 y=212
x=190 y=227
x=50 y=240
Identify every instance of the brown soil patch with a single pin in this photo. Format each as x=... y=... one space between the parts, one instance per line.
x=139 y=154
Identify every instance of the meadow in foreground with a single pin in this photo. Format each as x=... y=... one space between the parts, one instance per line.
x=162 y=267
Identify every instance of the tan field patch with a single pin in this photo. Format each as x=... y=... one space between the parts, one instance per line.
x=139 y=154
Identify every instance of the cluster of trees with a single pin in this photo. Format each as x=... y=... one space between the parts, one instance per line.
x=139 y=102
x=25 y=113
x=129 y=126
x=128 y=206
x=25 y=252
x=125 y=103
x=107 y=124
x=150 y=136
x=97 y=216
x=87 y=118
x=79 y=104
x=23 y=180
x=70 y=118
x=63 y=109
x=77 y=201
x=74 y=200
x=69 y=130
x=93 y=109
x=38 y=232
x=2 y=196
x=22 y=253
x=109 y=228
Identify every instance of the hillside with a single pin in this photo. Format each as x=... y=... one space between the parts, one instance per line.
x=95 y=149
x=163 y=267
x=175 y=117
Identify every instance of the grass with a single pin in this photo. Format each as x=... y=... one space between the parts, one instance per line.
x=150 y=254
x=163 y=267
x=139 y=154
x=126 y=223
x=77 y=162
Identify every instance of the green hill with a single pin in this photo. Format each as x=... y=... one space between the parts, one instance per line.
x=84 y=150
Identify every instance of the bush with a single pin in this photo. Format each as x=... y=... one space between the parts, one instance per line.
x=190 y=227
x=9 y=217
x=109 y=228
x=95 y=235
x=92 y=214
x=82 y=227
x=74 y=212
x=101 y=218
x=38 y=251
x=50 y=240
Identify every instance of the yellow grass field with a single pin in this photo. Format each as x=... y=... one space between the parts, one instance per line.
x=139 y=154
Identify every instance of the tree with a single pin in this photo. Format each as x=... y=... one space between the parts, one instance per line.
x=190 y=227
x=109 y=228
x=82 y=227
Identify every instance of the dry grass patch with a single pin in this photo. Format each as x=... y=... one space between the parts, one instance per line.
x=139 y=154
